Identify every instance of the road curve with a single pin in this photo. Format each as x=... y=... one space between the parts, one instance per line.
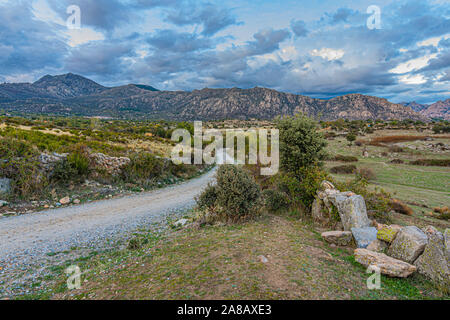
x=26 y=238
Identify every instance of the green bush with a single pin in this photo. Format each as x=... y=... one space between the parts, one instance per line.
x=143 y=169
x=18 y=163
x=207 y=199
x=235 y=196
x=342 y=158
x=301 y=144
x=345 y=169
x=275 y=200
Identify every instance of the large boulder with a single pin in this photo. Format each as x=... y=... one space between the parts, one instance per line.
x=388 y=233
x=409 y=244
x=352 y=210
x=447 y=243
x=387 y=265
x=5 y=185
x=364 y=236
x=377 y=246
x=340 y=238
x=434 y=262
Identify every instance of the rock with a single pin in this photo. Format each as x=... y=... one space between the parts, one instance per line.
x=263 y=259
x=326 y=185
x=76 y=201
x=5 y=185
x=340 y=238
x=377 y=246
x=387 y=265
x=3 y=203
x=64 y=201
x=409 y=244
x=447 y=243
x=364 y=236
x=388 y=233
x=181 y=223
x=434 y=263
x=112 y=165
x=352 y=210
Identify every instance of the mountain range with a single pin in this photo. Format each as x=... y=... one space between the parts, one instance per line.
x=72 y=94
x=437 y=110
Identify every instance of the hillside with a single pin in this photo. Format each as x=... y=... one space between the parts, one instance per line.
x=440 y=109
x=75 y=95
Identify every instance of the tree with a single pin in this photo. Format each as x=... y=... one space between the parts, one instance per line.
x=351 y=136
x=301 y=144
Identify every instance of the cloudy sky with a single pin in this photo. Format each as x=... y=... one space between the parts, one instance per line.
x=320 y=48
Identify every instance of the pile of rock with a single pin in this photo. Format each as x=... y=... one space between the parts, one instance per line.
x=48 y=161
x=397 y=251
x=112 y=165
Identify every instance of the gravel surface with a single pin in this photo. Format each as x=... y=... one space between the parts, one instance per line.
x=27 y=240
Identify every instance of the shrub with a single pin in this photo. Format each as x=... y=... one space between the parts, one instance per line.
x=237 y=193
x=235 y=196
x=366 y=173
x=301 y=188
x=275 y=200
x=79 y=160
x=397 y=161
x=351 y=136
x=358 y=143
x=143 y=168
x=301 y=144
x=431 y=162
x=207 y=199
x=345 y=169
x=400 y=207
x=18 y=163
x=343 y=158
x=441 y=210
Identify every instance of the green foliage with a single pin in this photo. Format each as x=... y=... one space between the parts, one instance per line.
x=345 y=169
x=275 y=200
x=343 y=158
x=18 y=162
x=301 y=144
x=235 y=196
x=351 y=136
x=301 y=188
x=143 y=169
x=207 y=199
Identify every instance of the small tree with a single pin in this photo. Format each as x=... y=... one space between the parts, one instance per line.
x=351 y=136
x=301 y=144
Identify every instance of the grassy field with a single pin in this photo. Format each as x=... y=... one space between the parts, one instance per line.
x=422 y=187
x=225 y=262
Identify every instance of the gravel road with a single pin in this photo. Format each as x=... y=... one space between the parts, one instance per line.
x=26 y=239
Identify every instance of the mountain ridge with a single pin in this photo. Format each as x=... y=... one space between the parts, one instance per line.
x=72 y=94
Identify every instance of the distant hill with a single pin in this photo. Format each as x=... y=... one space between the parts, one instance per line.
x=417 y=107
x=438 y=110
x=75 y=95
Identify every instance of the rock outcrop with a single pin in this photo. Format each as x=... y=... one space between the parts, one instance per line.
x=409 y=244
x=364 y=236
x=340 y=238
x=377 y=246
x=112 y=165
x=387 y=265
x=388 y=233
x=434 y=262
x=351 y=208
x=5 y=185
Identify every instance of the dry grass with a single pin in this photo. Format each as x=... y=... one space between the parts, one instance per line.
x=400 y=207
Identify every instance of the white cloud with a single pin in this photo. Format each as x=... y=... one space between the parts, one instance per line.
x=414 y=64
x=81 y=36
x=417 y=79
x=328 y=54
x=433 y=41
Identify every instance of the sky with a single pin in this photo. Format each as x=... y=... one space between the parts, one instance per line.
x=399 y=50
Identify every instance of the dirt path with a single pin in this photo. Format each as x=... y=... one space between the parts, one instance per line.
x=24 y=240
